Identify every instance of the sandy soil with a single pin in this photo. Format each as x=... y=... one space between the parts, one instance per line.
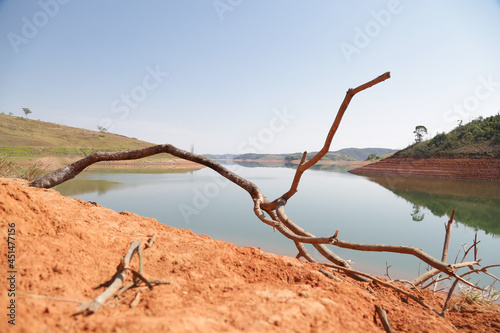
x=486 y=168
x=65 y=248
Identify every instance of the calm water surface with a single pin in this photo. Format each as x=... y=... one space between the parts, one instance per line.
x=383 y=210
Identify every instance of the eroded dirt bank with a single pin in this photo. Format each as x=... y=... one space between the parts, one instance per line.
x=67 y=247
x=485 y=168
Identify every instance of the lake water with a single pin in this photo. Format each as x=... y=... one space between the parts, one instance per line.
x=382 y=210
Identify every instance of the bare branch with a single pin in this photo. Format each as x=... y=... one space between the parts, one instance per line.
x=123 y=268
x=447 y=237
x=94 y=305
x=429 y=274
x=445 y=268
x=287 y=232
x=303 y=166
x=382 y=314
x=327 y=253
x=474 y=245
x=450 y=292
x=61 y=175
x=304 y=253
x=482 y=270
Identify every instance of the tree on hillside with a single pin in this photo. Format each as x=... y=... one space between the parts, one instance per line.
x=373 y=157
x=419 y=133
x=26 y=111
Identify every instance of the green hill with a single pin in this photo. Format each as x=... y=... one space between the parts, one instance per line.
x=478 y=138
x=22 y=138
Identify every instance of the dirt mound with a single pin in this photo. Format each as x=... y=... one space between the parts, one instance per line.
x=65 y=248
x=486 y=168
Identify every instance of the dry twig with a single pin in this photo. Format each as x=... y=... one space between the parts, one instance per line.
x=382 y=314
x=122 y=271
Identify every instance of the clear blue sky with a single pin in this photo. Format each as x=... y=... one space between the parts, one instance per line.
x=235 y=76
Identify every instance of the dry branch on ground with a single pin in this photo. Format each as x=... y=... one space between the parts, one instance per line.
x=116 y=282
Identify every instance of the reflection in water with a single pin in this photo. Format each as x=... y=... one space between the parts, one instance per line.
x=417 y=215
x=326 y=201
x=477 y=203
x=82 y=186
x=86 y=183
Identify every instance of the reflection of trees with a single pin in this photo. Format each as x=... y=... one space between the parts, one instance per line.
x=477 y=204
x=417 y=215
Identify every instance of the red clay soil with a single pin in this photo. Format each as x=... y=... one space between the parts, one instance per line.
x=65 y=248
x=485 y=168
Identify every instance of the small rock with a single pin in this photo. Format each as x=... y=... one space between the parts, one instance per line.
x=274 y=320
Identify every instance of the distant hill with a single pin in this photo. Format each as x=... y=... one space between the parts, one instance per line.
x=20 y=137
x=347 y=154
x=220 y=156
x=478 y=138
x=361 y=154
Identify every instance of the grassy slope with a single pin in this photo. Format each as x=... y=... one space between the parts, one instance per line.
x=478 y=138
x=22 y=138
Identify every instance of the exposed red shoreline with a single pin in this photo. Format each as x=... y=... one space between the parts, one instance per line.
x=65 y=248
x=480 y=168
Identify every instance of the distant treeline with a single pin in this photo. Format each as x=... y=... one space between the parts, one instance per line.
x=347 y=154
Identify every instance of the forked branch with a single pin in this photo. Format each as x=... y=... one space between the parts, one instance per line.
x=116 y=282
x=303 y=165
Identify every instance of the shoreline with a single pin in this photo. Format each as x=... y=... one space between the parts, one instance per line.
x=66 y=247
x=445 y=167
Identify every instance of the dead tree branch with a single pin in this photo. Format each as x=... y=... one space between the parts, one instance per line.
x=95 y=304
x=382 y=314
x=122 y=272
x=450 y=292
x=447 y=227
x=269 y=212
x=303 y=165
x=427 y=275
x=430 y=274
